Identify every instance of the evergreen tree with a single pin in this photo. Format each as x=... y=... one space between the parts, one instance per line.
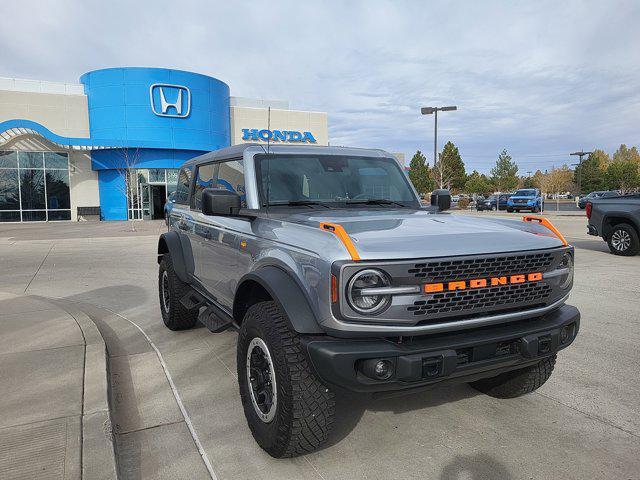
x=478 y=183
x=420 y=174
x=592 y=172
x=449 y=172
x=505 y=174
x=623 y=175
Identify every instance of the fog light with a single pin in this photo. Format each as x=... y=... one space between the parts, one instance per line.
x=566 y=333
x=383 y=369
x=378 y=368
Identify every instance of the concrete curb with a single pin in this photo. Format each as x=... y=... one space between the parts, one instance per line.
x=98 y=454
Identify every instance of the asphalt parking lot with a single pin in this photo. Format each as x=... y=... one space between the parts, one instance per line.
x=582 y=424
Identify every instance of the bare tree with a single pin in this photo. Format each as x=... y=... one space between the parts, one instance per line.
x=127 y=170
x=557 y=181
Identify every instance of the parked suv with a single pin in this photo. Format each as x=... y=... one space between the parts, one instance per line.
x=338 y=280
x=494 y=202
x=526 y=199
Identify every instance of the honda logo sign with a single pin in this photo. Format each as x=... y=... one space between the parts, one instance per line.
x=170 y=100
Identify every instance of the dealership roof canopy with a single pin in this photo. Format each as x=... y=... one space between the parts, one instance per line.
x=12 y=129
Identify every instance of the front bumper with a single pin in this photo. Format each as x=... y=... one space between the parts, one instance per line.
x=458 y=357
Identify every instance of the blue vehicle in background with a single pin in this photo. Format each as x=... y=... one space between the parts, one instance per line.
x=526 y=199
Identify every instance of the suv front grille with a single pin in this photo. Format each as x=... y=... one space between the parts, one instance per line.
x=492 y=299
x=465 y=269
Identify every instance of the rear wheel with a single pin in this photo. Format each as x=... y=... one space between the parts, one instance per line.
x=289 y=411
x=623 y=240
x=170 y=290
x=517 y=382
x=509 y=210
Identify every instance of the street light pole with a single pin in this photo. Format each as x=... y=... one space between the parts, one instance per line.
x=580 y=154
x=435 y=110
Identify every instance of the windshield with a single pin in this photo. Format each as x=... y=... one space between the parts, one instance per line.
x=525 y=193
x=332 y=179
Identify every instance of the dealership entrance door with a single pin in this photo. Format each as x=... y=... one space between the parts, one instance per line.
x=147 y=191
x=153 y=200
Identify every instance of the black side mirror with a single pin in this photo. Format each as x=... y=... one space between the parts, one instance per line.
x=441 y=198
x=220 y=202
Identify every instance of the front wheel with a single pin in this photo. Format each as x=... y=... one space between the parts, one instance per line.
x=623 y=240
x=289 y=411
x=170 y=291
x=517 y=382
x=509 y=210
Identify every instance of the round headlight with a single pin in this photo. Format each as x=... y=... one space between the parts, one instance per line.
x=566 y=262
x=370 y=303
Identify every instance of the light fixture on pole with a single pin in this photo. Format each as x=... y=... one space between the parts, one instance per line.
x=580 y=154
x=435 y=110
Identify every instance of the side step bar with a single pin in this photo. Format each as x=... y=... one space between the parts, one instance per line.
x=211 y=316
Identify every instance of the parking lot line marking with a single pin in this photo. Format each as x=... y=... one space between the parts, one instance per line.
x=176 y=395
x=174 y=390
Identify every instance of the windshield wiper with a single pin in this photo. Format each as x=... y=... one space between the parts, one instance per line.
x=296 y=203
x=374 y=201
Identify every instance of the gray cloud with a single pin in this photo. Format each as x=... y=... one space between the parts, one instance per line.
x=539 y=78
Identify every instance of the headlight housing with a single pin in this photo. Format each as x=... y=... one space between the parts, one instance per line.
x=566 y=263
x=368 y=302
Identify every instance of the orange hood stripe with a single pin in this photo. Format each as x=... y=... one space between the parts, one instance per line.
x=546 y=223
x=339 y=231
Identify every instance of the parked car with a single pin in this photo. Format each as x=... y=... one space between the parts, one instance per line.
x=494 y=202
x=168 y=206
x=337 y=279
x=617 y=220
x=526 y=199
x=582 y=202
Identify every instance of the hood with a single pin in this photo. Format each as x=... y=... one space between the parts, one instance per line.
x=523 y=197
x=399 y=234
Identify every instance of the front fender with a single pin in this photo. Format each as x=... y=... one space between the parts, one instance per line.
x=183 y=263
x=289 y=296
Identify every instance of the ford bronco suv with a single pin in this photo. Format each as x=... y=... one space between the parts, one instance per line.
x=337 y=279
x=526 y=199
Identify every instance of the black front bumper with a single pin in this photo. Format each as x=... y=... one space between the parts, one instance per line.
x=462 y=356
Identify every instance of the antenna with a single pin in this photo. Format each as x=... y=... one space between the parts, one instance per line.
x=268 y=158
x=268 y=128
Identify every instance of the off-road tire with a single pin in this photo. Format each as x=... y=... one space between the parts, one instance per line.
x=304 y=407
x=177 y=317
x=631 y=235
x=517 y=382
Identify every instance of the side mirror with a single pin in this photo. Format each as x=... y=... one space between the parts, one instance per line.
x=220 y=202
x=441 y=199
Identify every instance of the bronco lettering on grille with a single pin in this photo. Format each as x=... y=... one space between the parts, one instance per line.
x=481 y=282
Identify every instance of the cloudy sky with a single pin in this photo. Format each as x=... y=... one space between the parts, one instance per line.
x=540 y=79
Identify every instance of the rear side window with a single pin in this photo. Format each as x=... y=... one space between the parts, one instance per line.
x=205 y=178
x=231 y=177
x=184 y=183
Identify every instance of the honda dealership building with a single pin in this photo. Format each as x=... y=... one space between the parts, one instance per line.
x=111 y=144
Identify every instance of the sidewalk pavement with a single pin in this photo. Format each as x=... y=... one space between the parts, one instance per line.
x=54 y=411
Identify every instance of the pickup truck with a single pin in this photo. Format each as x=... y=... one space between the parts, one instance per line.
x=337 y=279
x=617 y=221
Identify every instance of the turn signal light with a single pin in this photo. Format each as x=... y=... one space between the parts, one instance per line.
x=334 y=289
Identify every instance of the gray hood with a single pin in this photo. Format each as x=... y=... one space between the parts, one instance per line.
x=397 y=234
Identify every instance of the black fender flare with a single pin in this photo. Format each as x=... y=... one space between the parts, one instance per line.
x=169 y=242
x=607 y=224
x=287 y=294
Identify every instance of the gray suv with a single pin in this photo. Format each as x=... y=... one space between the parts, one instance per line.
x=337 y=279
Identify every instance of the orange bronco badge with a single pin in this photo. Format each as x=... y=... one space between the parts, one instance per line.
x=482 y=282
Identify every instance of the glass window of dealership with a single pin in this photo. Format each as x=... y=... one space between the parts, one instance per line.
x=34 y=186
x=62 y=145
